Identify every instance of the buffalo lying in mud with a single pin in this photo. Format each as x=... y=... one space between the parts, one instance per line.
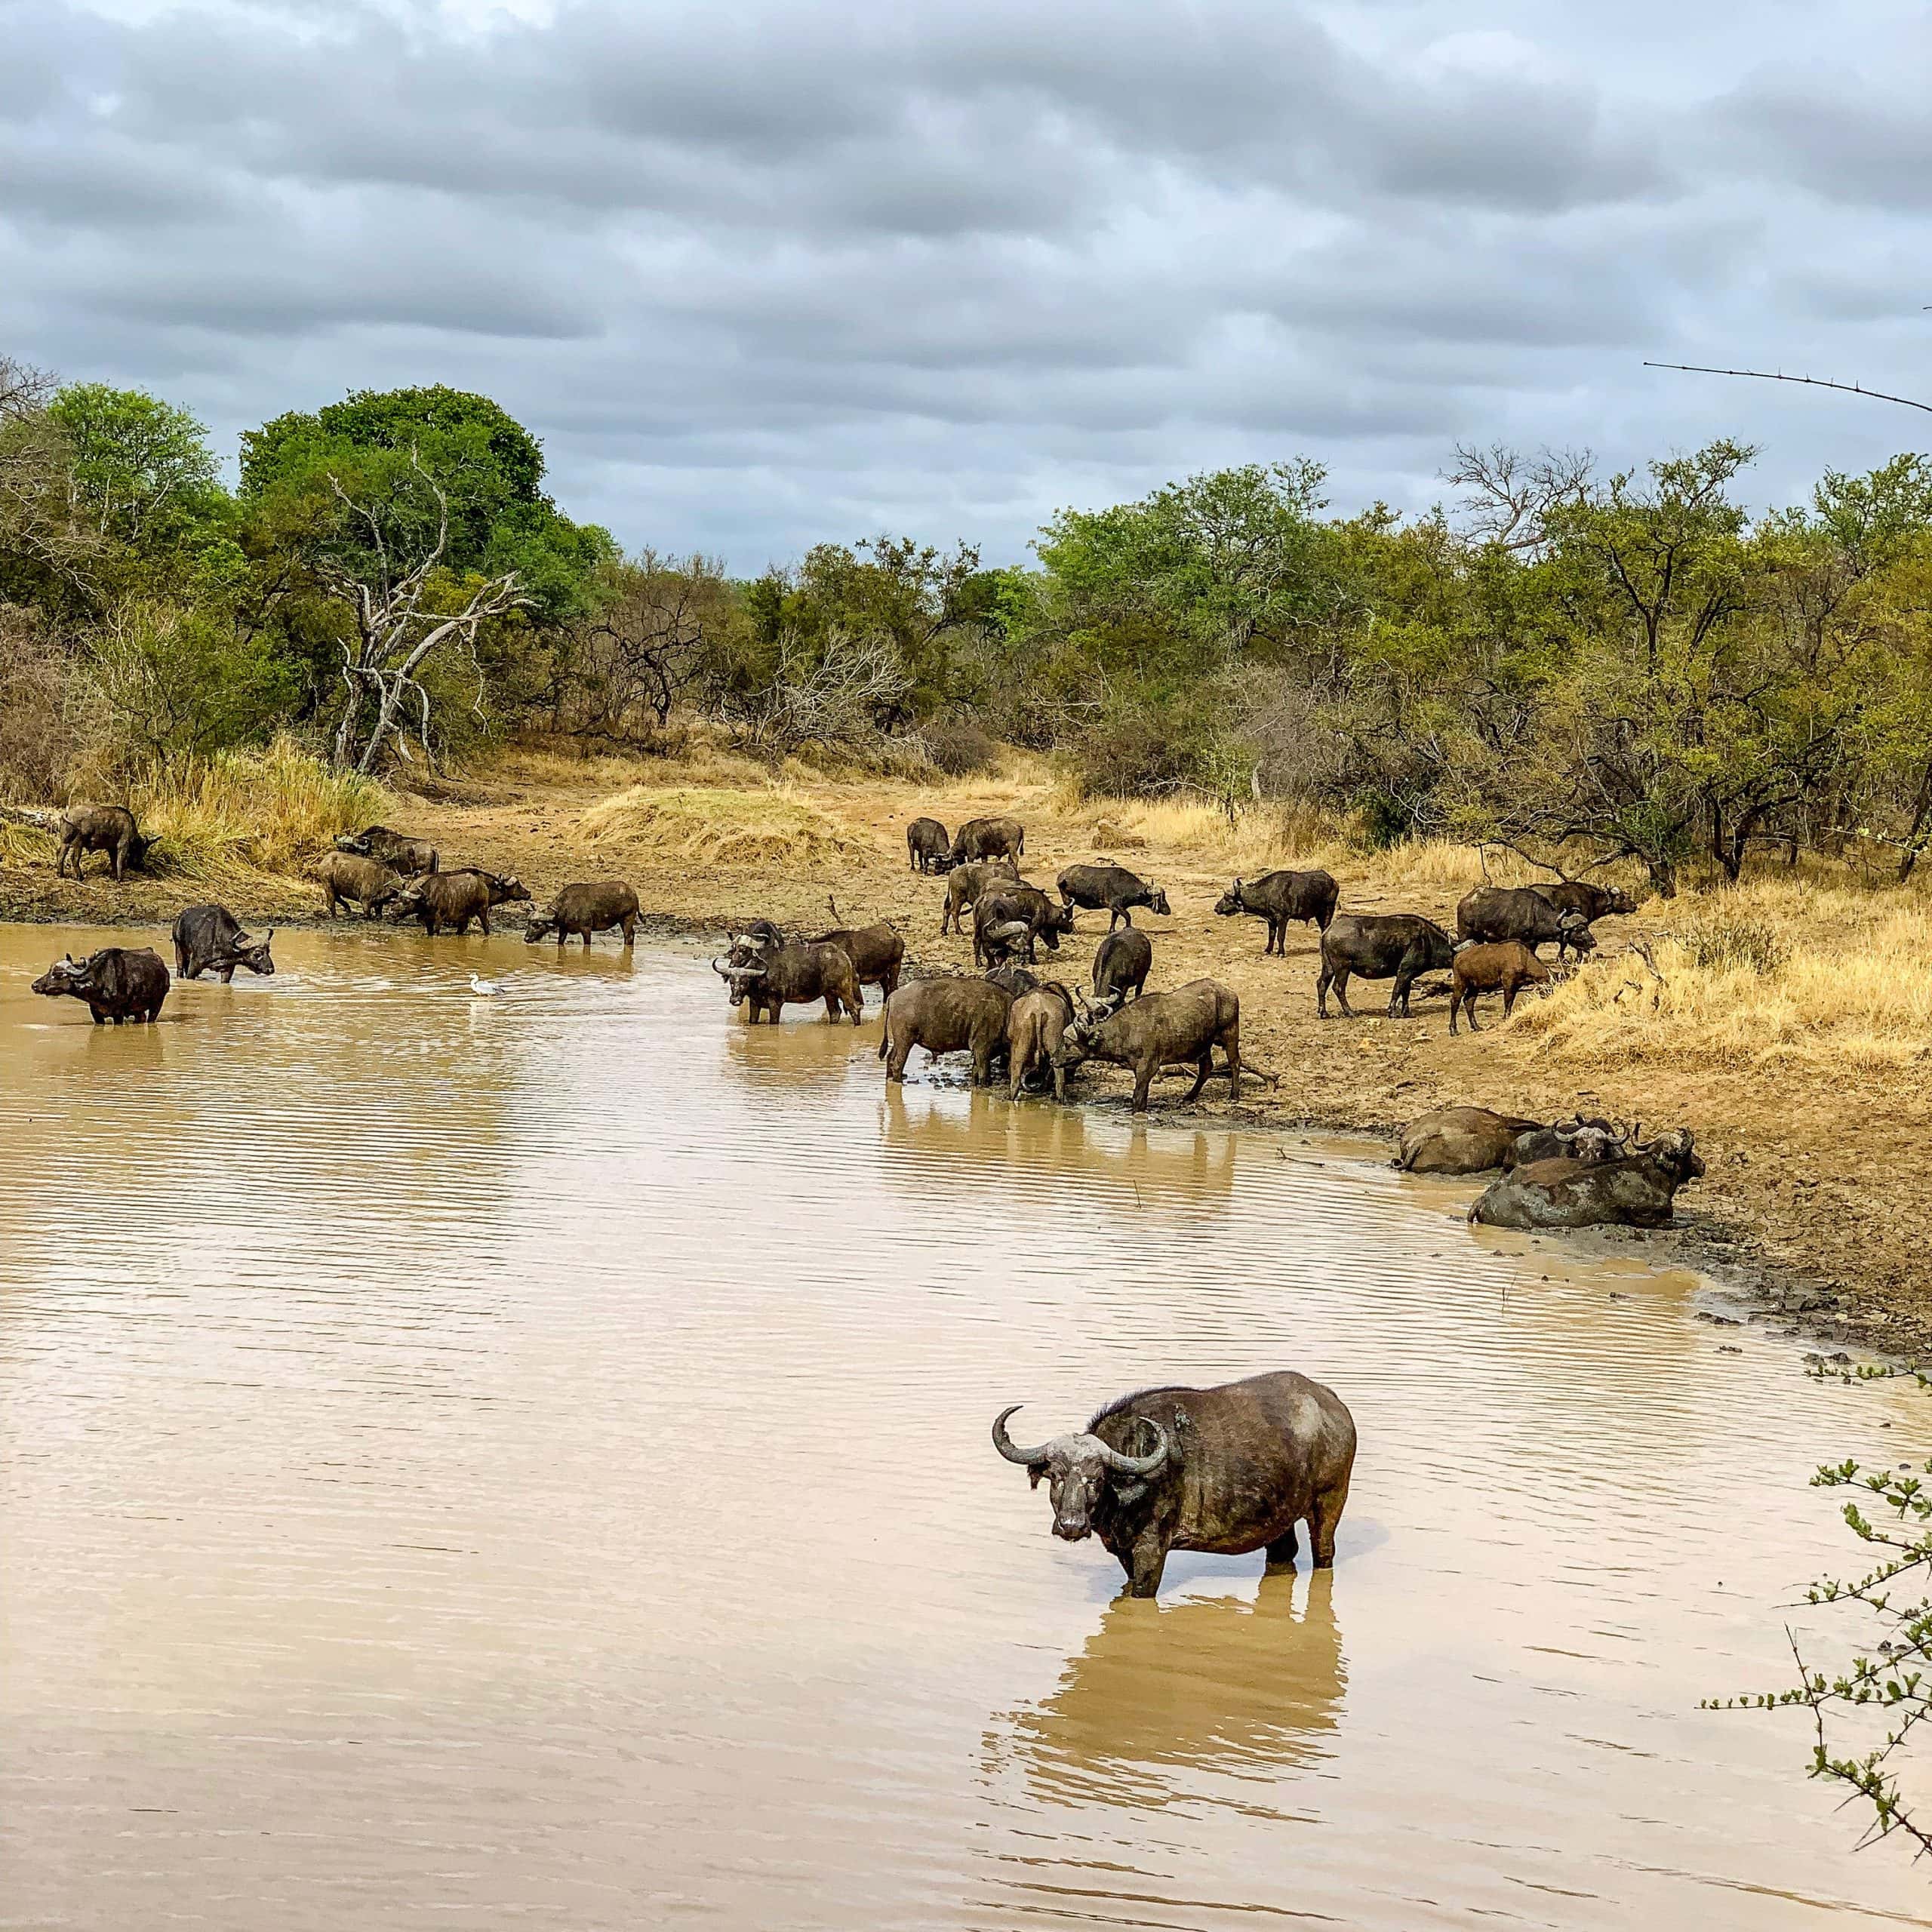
x=1589 y=903
x=1122 y=962
x=878 y=953
x=1380 y=946
x=770 y=981
x=410 y=856
x=988 y=838
x=596 y=906
x=966 y=883
x=928 y=846
x=1110 y=889
x=1178 y=1029
x=1226 y=1470
x=109 y=828
x=209 y=938
x=453 y=899
x=1521 y=913
x=1505 y=968
x=1001 y=904
x=1278 y=897
x=346 y=880
x=1035 y=1026
x=116 y=983
x=1631 y=1190
x=946 y=1016
x=1472 y=1140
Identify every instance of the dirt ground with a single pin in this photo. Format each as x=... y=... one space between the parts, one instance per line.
x=1814 y=1197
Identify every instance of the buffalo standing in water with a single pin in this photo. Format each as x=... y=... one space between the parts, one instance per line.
x=770 y=981
x=116 y=983
x=580 y=910
x=453 y=899
x=209 y=938
x=109 y=828
x=1225 y=1470
x=1178 y=1029
x=946 y=1016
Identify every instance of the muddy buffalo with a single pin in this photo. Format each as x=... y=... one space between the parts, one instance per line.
x=1110 y=889
x=1227 y=1470
x=1400 y=946
x=768 y=981
x=109 y=828
x=946 y=1016
x=209 y=938
x=965 y=884
x=1122 y=962
x=453 y=899
x=1505 y=968
x=599 y=906
x=878 y=954
x=1035 y=1027
x=1002 y=904
x=1279 y=897
x=988 y=838
x=1459 y=1140
x=928 y=846
x=409 y=856
x=346 y=880
x=1634 y=1190
x=1522 y=914
x=117 y=983
x=1178 y=1029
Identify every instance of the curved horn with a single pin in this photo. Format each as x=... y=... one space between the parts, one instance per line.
x=1029 y=1458
x=723 y=972
x=1139 y=1466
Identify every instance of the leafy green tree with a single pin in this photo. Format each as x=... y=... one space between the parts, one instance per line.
x=140 y=471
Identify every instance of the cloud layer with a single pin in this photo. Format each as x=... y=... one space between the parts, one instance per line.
x=785 y=269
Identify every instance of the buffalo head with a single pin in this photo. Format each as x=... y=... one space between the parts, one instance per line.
x=1575 y=932
x=741 y=979
x=541 y=926
x=1157 y=902
x=65 y=976
x=356 y=842
x=251 y=953
x=505 y=888
x=1676 y=1154
x=1080 y=1470
x=1229 y=902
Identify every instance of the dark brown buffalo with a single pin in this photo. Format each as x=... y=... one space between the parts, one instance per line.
x=1380 y=946
x=596 y=906
x=1590 y=902
x=346 y=880
x=453 y=899
x=965 y=884
x=1521 y=913
x=878 y=954
x=927 y=845
x=109 y=828
x=795 y=974
x=1178 y=1029
x=411 y=857
x=1000 y=904
x=988 y=838
x=1278 y=897
x=117 y=983
x=1122 y=962
x=1636 y=1190
x=1225 y=1470
x=209 y=938
x=1034 y=1029
x=1460 y=1140
x=1505 y=968
x=1111 y=889
x=946 y=1016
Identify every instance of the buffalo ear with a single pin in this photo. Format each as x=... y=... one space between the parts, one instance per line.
x=1033 y=1476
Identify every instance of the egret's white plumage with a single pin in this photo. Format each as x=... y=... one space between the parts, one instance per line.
x=488 y=989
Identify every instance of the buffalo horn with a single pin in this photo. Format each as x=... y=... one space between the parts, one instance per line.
x=723 y=972
x=1140 y=1466
x=1029 y=1458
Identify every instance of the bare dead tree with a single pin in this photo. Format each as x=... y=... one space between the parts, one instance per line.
x=24 y=390
x=1508 y=496
x=396 y=631
x=1806 y=382
x=640 y=649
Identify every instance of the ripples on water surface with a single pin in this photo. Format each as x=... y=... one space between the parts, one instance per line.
x=524 y=1462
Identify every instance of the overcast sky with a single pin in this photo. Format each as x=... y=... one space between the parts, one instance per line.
x=762 y=271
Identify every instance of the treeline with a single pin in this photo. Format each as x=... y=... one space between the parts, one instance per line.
x=1619 y=664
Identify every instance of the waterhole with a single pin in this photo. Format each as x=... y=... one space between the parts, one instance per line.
x=523 y=1461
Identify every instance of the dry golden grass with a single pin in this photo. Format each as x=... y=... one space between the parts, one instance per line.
x=686 y=825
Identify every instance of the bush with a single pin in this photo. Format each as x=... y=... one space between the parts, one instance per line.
x=37 y=743
x=959 y=748
x=1725 y=942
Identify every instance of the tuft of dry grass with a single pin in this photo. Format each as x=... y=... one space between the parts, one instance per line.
x=688 y=825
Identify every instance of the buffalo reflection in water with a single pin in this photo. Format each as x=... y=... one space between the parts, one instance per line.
x=1218 y=1686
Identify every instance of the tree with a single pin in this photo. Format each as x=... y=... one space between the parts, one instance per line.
x=140 y=471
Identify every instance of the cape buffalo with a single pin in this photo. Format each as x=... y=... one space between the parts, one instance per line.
x=453 y=899
x=946 y=1016
x=1003 y=942
x=1122 y=962
x=792 y=975
x=1521 y=913
x=1634 y=1190
x=1380 y=946
x=1177 y=1028
x=878 y=954
x=1013 y=980
x=1278 y=897
x=1225 y=1470
x=927 y=845
x=1507 y=968
x=594 y=907
x=1590 y=902
x=109 y=828
x=1577 y=1139
x=1034 y=1029
x=1111 y=889
x=117 y=983
x=965 y=884
x=346 y=880
x=1000 y=904
x=209 y=938
x=1459 y=1140
x=410 y=856
x=988 y=838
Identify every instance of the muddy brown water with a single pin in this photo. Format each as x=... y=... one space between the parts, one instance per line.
x=523 y=1462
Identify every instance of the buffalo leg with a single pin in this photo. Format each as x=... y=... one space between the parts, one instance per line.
x=181 y=963
x=1324 y=1515
x=1143 y=1565
x=1143 y=1078
x=1231 y=1051
x=1508 y=1002
x=228 y=975
x=1339 y=981
x=1282 y=1552
x=1203 y=1068
x=1398 y=998
x=483 y=920
x=1277 y=938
